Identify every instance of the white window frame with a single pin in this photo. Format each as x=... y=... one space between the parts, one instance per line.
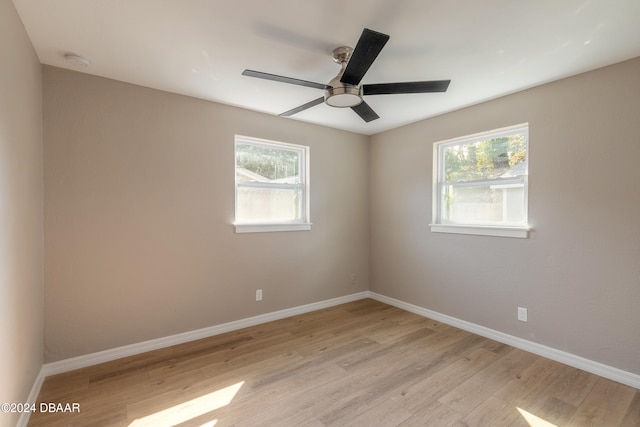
x=482 y=229
x=302 y=224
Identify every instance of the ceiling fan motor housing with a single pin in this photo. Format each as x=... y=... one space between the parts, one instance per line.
x=342 y=95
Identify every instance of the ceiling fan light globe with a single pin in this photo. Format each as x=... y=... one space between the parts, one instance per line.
x=343 y=96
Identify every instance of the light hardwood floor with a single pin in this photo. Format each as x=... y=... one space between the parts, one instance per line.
x=359 y=364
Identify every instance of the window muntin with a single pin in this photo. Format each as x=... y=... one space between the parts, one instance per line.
x=271 y=184
x=481 y=180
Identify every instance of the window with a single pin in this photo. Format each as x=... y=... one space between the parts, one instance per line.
x=271 y=186
x=480 y=183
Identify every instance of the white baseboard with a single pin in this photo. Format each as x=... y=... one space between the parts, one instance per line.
x=73 y=363
x=588 y=365
x=32 y=399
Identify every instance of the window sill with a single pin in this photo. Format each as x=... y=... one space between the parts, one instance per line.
x=482 y=230
x=268 y=228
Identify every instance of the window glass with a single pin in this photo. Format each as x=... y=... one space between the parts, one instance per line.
x=483 y=179
x=271 y=182
x=267 y=163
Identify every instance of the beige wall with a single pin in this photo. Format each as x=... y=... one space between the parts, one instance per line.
x=21 y=276
x=579 y=272
x=139 y=199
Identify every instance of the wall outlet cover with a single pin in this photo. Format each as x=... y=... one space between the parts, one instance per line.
x=522 y=314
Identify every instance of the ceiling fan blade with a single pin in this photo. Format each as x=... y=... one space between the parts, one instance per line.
x=303 y=107
x=366 y=51
x=406 y=87
x=283 y=79
x=365 y=112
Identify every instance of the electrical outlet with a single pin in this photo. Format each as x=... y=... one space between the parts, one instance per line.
x=259 y=295
x=522 y=314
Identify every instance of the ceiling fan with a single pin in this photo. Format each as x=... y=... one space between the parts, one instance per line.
x=344 y=90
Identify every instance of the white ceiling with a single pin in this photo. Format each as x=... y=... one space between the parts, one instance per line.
x=200 y=47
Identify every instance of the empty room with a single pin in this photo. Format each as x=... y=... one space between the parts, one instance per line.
x=320 y=213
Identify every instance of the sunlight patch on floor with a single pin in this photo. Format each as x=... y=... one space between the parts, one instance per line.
x=190 y=409
x=533 y=420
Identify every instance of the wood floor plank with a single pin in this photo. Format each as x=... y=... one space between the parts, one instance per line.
x=365 y=400
x=131 y=363
x=384 y=413
x=275 y=401
x=494 y=412
x=398 y=330
x=607 y=404
x=363 y=363
x=295 y=418
x=245 y=353
x=358 y=360
x=433 y=414
x=283 y=401
x=532 y=393
x=547 y=409
x=573 y=385
x=425 y=392
x=408 y=368
x=632 y=417
x=482 y=385
x=532 y=382
x=178 y=403
x=57 y=387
